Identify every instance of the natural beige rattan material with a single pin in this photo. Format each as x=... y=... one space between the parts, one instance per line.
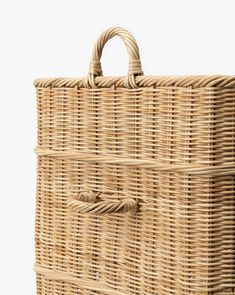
x=135 y=191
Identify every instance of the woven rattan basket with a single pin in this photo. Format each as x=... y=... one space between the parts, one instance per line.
x=135 y=192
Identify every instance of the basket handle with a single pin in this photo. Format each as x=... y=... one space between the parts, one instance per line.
x=134 y=68
x=88 y=202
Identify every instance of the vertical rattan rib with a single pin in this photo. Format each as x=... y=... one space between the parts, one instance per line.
x=135 y=190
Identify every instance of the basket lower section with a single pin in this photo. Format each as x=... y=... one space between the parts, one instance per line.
x=175 y=244
x=59 y=282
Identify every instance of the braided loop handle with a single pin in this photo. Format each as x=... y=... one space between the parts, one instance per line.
x=133 y=54
x=87 y=202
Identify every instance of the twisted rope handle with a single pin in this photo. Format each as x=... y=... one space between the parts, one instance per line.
x=87 y=202
x=133 y=54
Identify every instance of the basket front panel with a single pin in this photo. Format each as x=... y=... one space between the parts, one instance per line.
x=181 y=240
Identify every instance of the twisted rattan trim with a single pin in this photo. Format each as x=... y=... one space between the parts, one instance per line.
x=190 y=168
x=141 y=81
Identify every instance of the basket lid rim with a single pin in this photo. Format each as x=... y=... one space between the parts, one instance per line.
x=189 y=81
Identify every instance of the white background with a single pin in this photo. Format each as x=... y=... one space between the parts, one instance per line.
x=55 y=38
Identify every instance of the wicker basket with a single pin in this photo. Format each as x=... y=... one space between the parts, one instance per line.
x=135 y=192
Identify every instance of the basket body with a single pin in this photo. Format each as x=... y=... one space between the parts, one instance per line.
x=165 y=151
x=181 y=240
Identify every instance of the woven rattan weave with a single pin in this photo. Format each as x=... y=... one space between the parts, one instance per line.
x=135 y=192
